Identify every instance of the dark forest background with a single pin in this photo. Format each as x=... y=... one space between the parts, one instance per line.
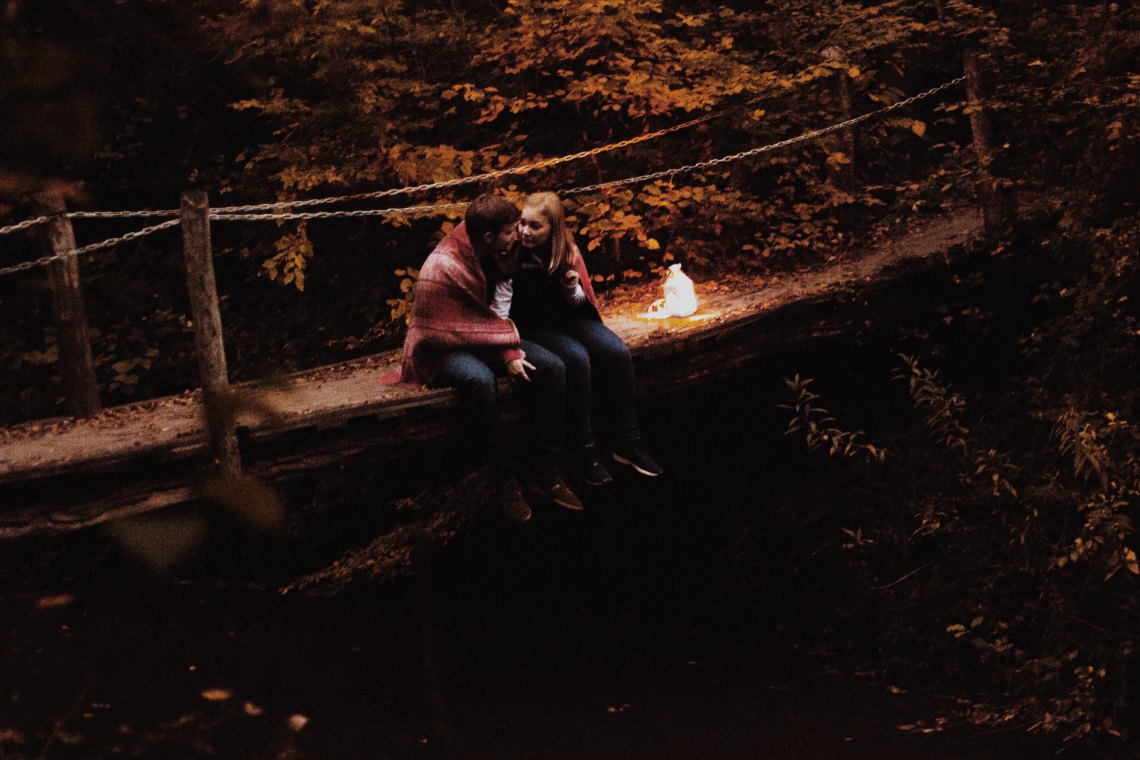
x=986 y=536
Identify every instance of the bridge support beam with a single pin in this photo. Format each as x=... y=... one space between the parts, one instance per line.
x=204 y=310
x=72 y=334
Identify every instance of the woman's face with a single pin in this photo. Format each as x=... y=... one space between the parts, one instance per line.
x=534 y=229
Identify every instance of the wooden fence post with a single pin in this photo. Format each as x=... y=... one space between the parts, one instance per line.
x=72 y=334
x=843 y=174
x=207 y=317
x=995 y=193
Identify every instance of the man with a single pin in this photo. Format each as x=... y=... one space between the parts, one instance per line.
x=456 y=339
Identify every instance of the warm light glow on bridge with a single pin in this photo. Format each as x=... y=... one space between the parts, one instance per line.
x=680 y=298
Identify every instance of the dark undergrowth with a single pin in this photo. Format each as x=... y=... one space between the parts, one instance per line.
x=959 y=520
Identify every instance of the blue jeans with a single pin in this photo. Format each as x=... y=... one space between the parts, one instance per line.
x=596 y=359
x=543 y=400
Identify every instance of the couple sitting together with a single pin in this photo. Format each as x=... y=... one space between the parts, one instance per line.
x=507 y=292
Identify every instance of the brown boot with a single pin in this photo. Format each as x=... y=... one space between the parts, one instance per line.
x=554 y=488
x=509 y=497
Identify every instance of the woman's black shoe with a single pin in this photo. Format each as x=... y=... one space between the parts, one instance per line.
x=638 y=459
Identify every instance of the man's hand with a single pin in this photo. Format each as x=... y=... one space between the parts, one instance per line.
x=516 y=370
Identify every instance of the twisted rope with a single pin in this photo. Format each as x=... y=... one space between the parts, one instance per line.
x=120 y=214
x=475 y=178
x=86 y=215
x=230 y=213
x=222 y=214
x=217 y=215
x=764 y=148
x=23 y=225
x=89 y=248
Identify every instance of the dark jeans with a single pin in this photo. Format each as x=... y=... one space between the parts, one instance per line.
x=543 y=400
x=596 y=359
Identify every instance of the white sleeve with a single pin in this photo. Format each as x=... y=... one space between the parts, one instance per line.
x=575 y=297
x=501 y=302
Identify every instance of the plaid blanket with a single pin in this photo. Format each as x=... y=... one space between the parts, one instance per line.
x=450 y=313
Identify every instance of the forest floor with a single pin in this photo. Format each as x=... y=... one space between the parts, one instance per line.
x=186 y=672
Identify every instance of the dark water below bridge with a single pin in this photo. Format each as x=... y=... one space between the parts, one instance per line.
x=631 y=631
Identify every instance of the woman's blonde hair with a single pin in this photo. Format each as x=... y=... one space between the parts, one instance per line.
x=561 y=241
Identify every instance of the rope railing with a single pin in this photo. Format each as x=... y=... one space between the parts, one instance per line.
x=222 y=214
x=804 y=137
x=238 y=213
x=406 y=190
x=120 y=214
x=147 y=213
x=25 y=265
x=23 y=225
x=485 y=176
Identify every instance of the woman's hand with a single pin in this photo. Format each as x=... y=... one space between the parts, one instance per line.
x=570 y=278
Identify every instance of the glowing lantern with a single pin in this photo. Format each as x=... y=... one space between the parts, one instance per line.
x=680 y=299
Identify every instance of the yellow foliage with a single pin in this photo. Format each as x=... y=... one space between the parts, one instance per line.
x=287 y=265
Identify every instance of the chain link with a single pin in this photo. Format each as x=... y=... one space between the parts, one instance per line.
x=23 y=225
x=86 y=215
x=89 y=248
x=121 y=214
x=404 y=210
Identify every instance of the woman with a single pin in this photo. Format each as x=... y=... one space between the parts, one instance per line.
x=553 y=304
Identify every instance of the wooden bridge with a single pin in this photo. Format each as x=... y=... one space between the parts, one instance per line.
x=105 y=464
x=67 y=473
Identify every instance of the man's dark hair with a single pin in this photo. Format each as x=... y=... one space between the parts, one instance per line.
x=489 y=213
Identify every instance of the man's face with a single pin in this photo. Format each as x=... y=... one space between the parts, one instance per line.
x=504 y=253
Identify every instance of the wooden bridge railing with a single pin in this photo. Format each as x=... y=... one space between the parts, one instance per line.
x=210 y=347
x=73 y=338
